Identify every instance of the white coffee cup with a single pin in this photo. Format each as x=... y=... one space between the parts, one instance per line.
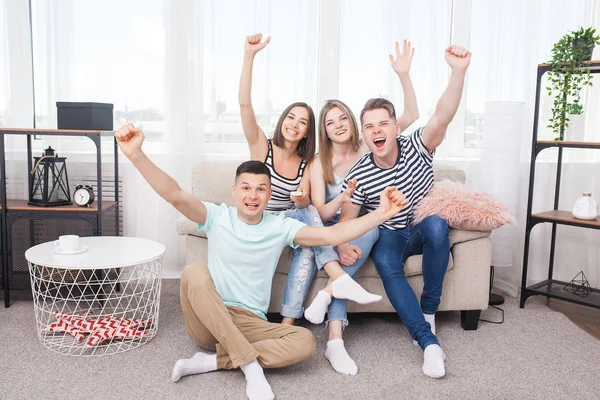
x=67 y=242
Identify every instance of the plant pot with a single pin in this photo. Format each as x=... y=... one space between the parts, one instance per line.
x=586 y=47
x=575 y=132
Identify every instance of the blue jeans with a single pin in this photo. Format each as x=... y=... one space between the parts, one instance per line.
x=304 y=266
x=337 y=307
x=430 y=238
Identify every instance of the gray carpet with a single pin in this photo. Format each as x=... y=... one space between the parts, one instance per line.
x=536 y=353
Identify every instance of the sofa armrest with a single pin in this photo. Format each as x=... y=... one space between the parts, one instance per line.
x=186 y=227
x=458 y=236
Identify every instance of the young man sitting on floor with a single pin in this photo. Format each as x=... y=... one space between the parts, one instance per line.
x=224 y=304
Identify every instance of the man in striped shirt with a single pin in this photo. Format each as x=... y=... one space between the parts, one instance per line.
x=406 y=162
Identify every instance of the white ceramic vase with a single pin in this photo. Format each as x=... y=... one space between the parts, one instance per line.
x=585 y=207
x=575 y=130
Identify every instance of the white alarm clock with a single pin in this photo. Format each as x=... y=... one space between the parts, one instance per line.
x=83 y=195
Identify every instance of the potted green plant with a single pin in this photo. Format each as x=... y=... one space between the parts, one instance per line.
x=569 y=75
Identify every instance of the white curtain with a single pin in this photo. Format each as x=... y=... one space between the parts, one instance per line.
x=365 y=71
x=172 y=67
x=508 y=40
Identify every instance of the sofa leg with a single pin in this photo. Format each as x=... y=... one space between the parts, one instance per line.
x=469 y=320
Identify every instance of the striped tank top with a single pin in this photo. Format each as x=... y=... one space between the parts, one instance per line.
x=282 y=187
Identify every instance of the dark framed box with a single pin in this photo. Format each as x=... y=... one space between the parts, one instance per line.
x=85 y=116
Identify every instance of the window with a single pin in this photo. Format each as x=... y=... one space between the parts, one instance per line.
x=173 y=67
x=510 y=38
x=78 y=58
x=367 y=36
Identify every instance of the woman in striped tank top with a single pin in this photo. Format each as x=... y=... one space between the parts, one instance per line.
x=286 y=156
x=340 y=148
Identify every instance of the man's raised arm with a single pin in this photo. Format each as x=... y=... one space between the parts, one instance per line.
x=458 y=58
x=130 y=141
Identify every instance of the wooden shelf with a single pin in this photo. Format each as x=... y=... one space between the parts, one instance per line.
x=592 y=65
x=565 y=217
x=21 y=205
x=563 y=143
x=56 y=132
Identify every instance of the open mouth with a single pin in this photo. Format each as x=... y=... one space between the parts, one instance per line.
x=251 y=206
x=291 y=132
x=379 y=142
x=340 y=132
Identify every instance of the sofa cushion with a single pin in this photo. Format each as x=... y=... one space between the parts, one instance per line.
x=212 y=181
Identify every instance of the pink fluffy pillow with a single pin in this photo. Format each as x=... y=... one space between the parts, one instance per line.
x=462 y=207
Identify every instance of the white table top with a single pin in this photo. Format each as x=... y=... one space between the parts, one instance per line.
x=102 y=252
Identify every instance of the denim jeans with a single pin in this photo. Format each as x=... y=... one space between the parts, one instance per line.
x=304 y=266
x=337 y=307
x=430 y=238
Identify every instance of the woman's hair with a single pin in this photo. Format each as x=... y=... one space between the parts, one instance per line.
x=325 y=145
x=307 y=146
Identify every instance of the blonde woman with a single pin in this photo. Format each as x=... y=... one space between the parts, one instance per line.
x=340 y=147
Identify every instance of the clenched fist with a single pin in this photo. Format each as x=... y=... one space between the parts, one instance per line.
x=130 y=139
x=254 y=43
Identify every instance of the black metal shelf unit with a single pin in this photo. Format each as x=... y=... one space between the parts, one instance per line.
x=552 y=287
x=23 y=226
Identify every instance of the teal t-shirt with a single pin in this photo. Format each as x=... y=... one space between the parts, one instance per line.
x=242 y=258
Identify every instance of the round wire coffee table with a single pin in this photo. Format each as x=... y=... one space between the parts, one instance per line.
x=103 y=300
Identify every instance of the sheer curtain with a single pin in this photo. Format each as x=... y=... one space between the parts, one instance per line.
x=173 y=69
x=367 y=36
x=508 y=40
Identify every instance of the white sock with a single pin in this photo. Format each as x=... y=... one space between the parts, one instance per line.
x=338 y=357
x=431 y=319
x=315 y=313
x=346 y=288
x=198 y=364
x=257 y=387
x=433 y=363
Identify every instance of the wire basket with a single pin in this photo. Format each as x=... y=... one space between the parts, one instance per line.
x=96 y=312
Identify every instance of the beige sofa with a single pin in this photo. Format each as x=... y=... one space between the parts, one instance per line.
x=466 y=286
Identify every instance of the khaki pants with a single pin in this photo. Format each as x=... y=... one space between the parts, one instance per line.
x=238 y=335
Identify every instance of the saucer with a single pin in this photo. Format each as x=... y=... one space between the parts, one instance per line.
x=81 y=249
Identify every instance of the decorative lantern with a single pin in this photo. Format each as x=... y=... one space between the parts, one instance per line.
x=49 y=181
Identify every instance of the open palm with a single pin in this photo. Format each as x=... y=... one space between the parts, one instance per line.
x=401 y=64
x=346 y=195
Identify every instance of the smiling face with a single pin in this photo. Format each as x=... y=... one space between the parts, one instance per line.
x=251 y=193
x=379 y=133
x=295 y=130
x=295 y=124
x=338 y=126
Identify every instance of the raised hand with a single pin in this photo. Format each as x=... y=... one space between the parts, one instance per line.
x=130 y=139
x=391 y=201
x=254 y=43
x=346 y=195
x=401 y=64
x=458 y=57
